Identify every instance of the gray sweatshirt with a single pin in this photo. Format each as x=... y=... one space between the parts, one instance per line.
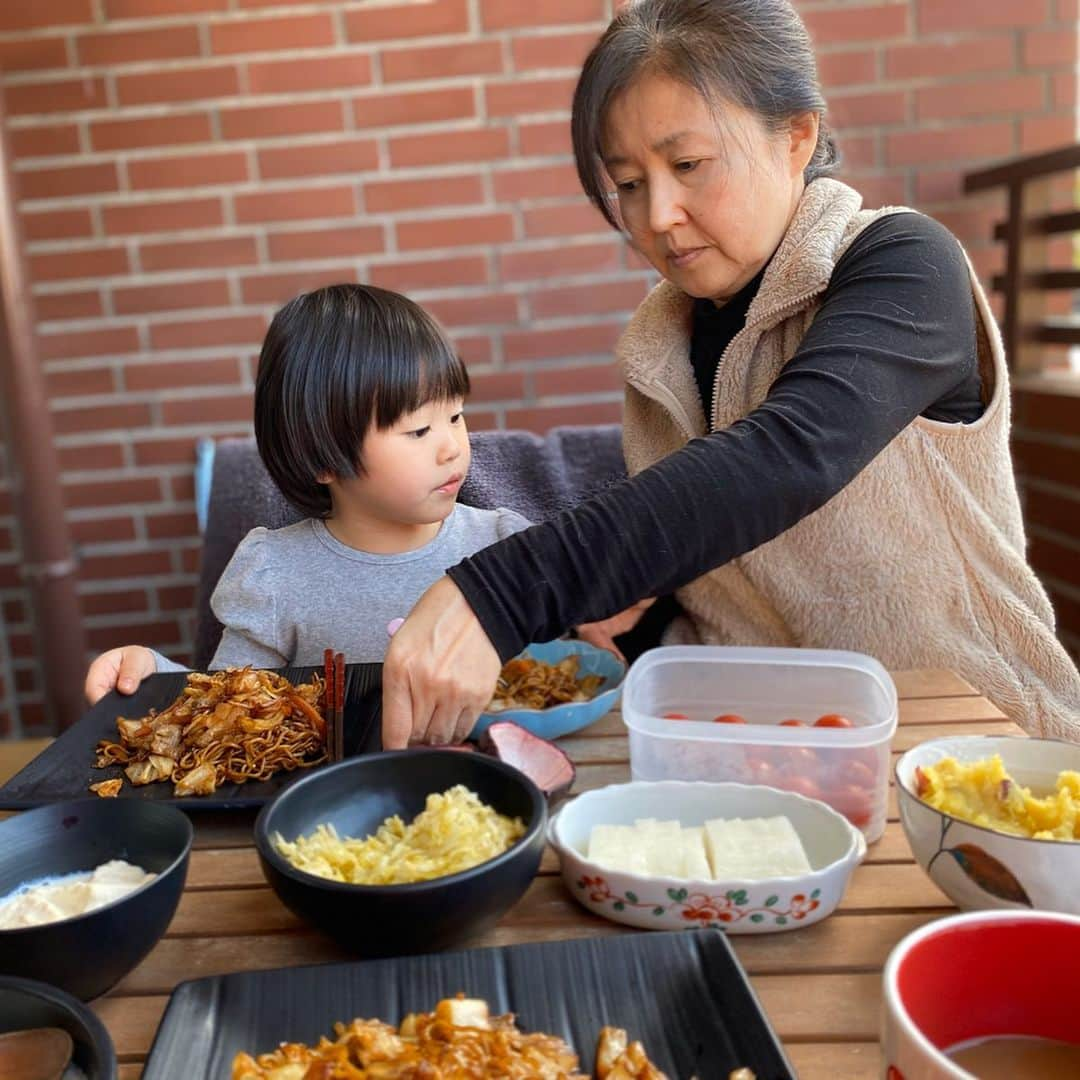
x=288 y=594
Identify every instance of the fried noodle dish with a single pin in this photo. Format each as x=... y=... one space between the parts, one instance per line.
x=460 y=1040
x=226 y=726
x=527 y=683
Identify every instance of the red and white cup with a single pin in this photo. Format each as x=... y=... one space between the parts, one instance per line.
x=975 y=976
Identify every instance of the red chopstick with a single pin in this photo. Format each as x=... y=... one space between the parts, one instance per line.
x=328 y=702
x=339 y=708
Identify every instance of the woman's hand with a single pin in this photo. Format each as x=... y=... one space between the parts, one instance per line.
x=439 y=673
x=602 y=634
x=118 y=669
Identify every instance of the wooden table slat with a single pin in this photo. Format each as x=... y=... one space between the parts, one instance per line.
x=931 y=682
x=228 y=912
x=221 y=868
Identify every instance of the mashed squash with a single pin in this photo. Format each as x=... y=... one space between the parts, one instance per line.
x=983 y=793
x=453 y=832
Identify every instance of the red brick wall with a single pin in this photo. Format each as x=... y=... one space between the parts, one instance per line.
x=186 y=165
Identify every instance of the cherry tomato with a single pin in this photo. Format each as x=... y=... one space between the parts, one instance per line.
x=675 y=716
x=833 y=720
x=853 y=802
x=793 y=723
x=801 y=785
x=763 y=772
x=762 y=755
x=870 y=757
x=922 y=783
x=856 y=774
x=800 y=760
x=729 y=718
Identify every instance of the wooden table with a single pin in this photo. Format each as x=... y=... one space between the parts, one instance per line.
x=820 y=986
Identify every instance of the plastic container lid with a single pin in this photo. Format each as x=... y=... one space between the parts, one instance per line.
x=765 y=684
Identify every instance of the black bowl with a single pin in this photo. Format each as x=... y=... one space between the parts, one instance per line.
x=26 y=1003
x=356 y=796
x=87 y=954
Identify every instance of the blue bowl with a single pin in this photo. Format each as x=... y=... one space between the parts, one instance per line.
x=575 y=715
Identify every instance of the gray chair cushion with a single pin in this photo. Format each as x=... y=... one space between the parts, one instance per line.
x=535 y=475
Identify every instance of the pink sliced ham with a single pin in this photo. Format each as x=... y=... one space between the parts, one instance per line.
x=541 y=761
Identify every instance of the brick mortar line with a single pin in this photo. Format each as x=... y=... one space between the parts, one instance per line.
x=348 y=96
x=204 y=21
x=1046 y=438
x=206 y=353
x=1046 y=532
x=498 y=166
x=120 y=69
x=1066 y=588
x=105 y=586
x=130 y=618
x=498 y=283
x=1052 y=487
x=430 y=254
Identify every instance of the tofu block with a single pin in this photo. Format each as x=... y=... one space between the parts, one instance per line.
x=662 y=843
x=617 y=847
x=695 y=861
x=754 y=848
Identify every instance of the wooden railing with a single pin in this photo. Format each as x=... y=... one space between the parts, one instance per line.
x=1024 y=285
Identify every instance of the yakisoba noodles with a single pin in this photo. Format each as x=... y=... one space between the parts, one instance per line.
x=227 y=726
x=527 y=683
x=460 y=1040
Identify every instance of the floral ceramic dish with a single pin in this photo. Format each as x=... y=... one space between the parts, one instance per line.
x=833 y=847
x=977 y=867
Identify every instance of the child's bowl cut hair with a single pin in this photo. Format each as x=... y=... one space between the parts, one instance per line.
x=335 y=363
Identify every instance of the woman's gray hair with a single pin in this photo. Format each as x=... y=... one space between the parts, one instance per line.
x=754 y=53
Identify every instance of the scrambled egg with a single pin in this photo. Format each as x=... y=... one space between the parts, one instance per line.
x=983 y=793
x=453 y=832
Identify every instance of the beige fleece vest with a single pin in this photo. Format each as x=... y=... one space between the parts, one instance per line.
x=920 y=560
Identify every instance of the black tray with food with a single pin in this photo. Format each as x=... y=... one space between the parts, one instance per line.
x=682 y=994
x=66 y=768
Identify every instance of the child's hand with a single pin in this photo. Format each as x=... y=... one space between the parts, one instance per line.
x=118 y=669
x=602 y=634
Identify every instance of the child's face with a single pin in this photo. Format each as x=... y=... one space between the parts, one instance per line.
x=413 y=470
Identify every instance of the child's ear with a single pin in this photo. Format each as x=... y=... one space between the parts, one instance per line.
x=324 y=477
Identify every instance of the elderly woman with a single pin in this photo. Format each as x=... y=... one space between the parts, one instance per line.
x=817 y=410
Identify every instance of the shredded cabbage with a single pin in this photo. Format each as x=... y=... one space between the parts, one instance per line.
x=453 y=832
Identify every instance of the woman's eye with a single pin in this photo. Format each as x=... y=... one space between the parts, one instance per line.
x=687 y=166
x=624 y=187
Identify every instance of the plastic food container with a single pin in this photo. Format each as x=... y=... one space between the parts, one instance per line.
x=673 y=695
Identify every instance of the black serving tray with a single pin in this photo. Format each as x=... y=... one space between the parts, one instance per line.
x=682 y=993
x=65 y=768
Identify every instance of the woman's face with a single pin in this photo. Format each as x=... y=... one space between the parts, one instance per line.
x=705 y=195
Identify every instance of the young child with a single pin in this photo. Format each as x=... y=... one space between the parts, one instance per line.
x=358 y=419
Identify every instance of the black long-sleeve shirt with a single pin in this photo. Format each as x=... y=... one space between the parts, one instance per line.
x=893 y=339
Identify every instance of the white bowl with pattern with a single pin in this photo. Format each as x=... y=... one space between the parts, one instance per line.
x=833 y=847
x=979 y=867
